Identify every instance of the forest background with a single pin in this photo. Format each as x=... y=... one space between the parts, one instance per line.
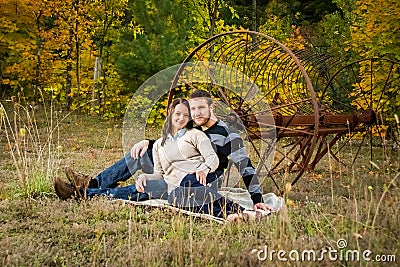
x=92 y=55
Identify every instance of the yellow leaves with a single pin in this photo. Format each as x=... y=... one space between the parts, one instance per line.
x=22 y=132
x=375 y=26
x=6 y=81
x=380 y=131
x=290 y=203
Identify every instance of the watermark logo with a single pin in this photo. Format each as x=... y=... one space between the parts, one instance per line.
x=341 y=253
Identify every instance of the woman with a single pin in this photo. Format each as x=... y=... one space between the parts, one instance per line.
x=185 y=159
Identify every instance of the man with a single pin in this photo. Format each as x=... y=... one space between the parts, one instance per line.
x=227 y=144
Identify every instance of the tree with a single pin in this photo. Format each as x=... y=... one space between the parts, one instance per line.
x=22 y=51
x=375 y=32
x=375 y=35
x=160 y=40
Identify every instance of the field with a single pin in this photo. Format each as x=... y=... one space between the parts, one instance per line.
x=334 y=216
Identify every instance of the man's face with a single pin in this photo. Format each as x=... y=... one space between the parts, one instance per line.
x=200 y=110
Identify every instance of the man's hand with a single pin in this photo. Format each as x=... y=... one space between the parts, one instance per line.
x=201 y=177
x=263 y=206
x=139 y=149
x=141 y=183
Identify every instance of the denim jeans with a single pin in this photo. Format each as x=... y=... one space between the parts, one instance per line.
x=195 y=197
x=122 y=170
x=153 y=189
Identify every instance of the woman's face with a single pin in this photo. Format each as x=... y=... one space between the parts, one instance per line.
x=180 y=117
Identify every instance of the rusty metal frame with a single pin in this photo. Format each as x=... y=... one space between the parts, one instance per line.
x=312 y=124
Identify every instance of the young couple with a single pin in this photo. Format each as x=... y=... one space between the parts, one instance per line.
x=187 y=165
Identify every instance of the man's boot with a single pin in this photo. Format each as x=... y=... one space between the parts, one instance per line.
x=63 y=190
x=77 y=179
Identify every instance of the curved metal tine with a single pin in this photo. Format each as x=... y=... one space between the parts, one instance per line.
x=293 y=146
x=266 y=154
x=270 y=49
x=225 y=98
x=291 y=104
x=267 y=93
x=358 y=150
x=302 y=152
x=371 y=85
x=381 y=137
x=244 y=63
x=235 y=43
x=370 y=148
x=263 y=162
x=284 y=156
x=342 y=103
x=304 y=161
x=340 y=85
x=361 y=88
x=347 y=91
x=384 y=87
x=345 y=143
x=299 y=174
x=245 y=56
x=242 y=53
x=259 y=73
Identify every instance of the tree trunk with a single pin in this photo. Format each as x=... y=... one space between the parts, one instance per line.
x=68 y=86
x=213 y=13
x=254 y=28
x=39 y=42
x=254 y=17
x=98 y=72
x=77 y=48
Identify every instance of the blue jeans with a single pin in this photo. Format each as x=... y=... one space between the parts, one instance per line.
x=195 y=197
x=122 y=170
x=153 y=189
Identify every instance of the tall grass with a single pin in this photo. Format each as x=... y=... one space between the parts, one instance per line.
x=33 y=144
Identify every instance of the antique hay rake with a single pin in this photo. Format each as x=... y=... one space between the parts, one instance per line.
x=299 y=104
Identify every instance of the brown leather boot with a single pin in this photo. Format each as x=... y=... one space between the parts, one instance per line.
x=77 y=179
x=63 y=190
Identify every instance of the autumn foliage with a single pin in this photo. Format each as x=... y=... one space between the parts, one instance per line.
x=92 y=55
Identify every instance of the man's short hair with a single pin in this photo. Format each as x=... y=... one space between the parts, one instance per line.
x=201 y=94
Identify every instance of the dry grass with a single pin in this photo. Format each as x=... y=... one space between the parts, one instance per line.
x=359 y=204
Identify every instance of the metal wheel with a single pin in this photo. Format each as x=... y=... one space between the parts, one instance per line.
x=264 y=91
x=363 y=96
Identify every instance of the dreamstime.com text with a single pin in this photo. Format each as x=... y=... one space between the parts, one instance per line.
x=327 y=253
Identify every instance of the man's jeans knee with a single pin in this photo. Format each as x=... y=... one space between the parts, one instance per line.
x=123 y=169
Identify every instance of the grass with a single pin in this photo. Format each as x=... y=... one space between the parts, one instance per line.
x=359 y=204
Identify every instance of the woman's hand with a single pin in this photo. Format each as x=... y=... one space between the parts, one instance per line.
x=201 y=177
x=141 y=183
x=139 y=149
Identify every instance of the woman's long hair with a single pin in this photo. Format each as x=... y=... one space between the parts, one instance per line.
x=167 y=126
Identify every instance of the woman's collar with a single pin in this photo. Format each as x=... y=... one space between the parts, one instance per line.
x=178 y=135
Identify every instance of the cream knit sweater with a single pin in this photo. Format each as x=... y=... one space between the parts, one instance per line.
x=191 y=152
